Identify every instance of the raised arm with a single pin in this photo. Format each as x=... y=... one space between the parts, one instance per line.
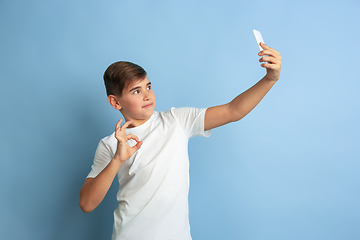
x=94 y=189
x=240 y=106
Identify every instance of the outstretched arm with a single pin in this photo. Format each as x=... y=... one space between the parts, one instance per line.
x=240 y=106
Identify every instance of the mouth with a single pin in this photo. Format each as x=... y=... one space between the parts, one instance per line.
x=148 y=106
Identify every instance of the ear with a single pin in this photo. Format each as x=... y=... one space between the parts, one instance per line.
x=114 y=102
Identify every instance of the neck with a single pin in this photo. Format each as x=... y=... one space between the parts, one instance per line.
x=136 y=122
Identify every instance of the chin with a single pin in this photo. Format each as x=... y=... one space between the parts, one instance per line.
x=148 y=114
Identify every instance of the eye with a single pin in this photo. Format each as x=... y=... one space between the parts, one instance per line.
x=148 y=87
x=136 y=92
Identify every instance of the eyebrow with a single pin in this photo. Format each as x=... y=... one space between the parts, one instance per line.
x=135 y=88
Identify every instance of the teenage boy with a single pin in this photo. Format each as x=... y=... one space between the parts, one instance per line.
x=149 y=152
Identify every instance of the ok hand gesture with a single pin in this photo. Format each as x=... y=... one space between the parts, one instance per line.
x=124 y=151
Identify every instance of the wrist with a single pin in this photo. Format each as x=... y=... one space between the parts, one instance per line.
x=116 y=162
x=272 y=75
x=270 y=79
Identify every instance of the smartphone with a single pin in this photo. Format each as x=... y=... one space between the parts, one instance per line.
x=258 y=38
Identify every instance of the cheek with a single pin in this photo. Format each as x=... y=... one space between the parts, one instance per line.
x=131 y=103
x=136 y=102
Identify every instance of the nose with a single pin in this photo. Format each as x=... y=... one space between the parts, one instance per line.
x=146 y=96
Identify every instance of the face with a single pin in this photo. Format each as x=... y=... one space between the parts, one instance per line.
x=137 y=102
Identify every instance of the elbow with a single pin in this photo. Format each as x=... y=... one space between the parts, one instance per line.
x=85 y=206
x=236 y=116
x=234 y=113
x=85 y=210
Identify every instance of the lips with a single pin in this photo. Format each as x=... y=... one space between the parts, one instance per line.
x=149 y=105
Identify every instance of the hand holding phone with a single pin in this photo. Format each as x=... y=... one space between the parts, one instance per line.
x=273 y=67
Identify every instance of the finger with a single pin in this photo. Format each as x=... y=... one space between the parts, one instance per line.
x=126 y=124
x=137 y=146
x=269 y=60
x=118 y=124
x=269 y=53
x=132 y=136
x=270 y=66
x=266 y=47
x=266 y=65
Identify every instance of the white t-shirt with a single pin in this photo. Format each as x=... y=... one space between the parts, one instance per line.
x=154 y=182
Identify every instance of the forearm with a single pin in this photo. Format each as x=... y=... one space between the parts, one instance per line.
x=240 y=106
x=248 y=100
x=94 y=190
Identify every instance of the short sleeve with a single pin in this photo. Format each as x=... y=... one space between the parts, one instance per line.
x=103 y=156
x=192 y=120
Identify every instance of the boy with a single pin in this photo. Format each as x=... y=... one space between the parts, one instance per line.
x=149 y=152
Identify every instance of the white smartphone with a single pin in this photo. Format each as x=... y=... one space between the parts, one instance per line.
x=258 y=38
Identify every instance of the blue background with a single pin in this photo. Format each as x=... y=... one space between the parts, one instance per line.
x=289 y=170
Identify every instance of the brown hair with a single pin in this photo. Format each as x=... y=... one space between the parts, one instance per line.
x=120 y=74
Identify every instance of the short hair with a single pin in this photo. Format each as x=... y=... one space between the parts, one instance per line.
x=120 y=74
